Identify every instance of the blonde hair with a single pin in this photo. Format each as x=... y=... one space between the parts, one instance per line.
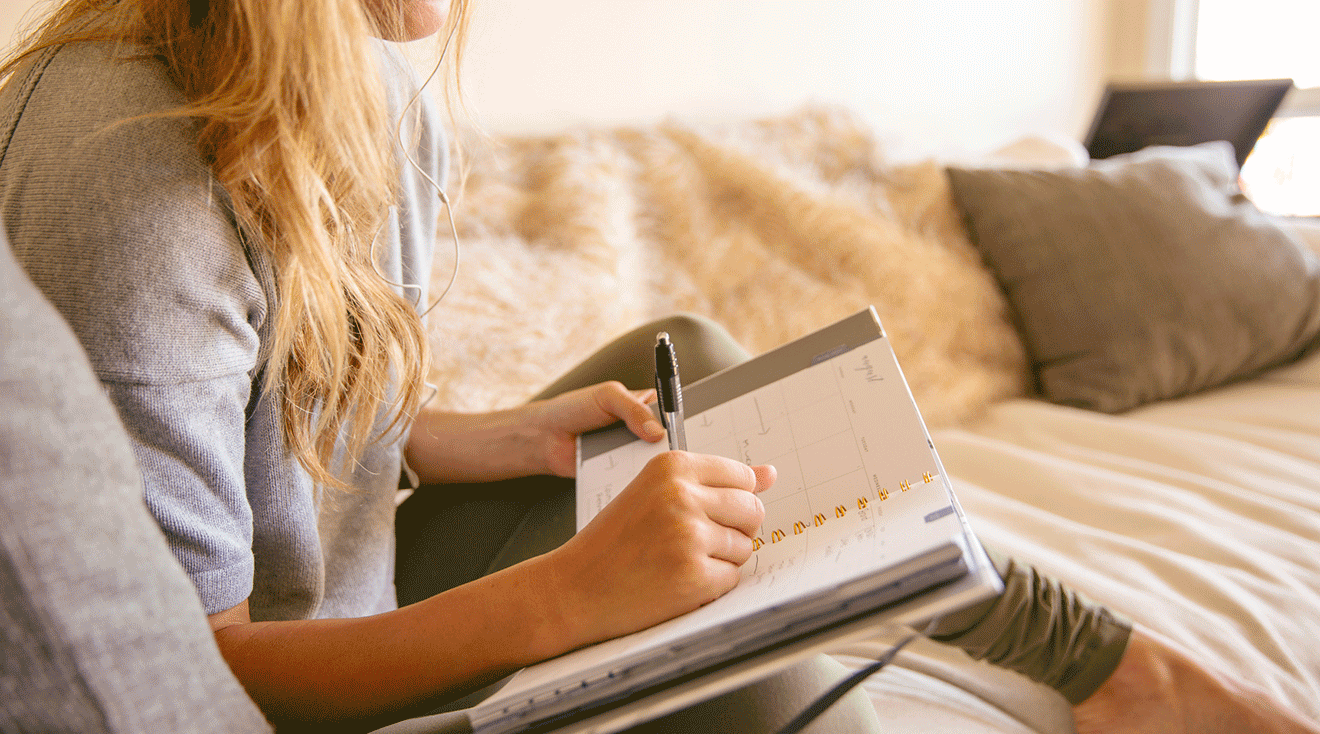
x=294 y=125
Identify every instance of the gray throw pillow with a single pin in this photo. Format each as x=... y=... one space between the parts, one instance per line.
x=1144 y=276
x=100 y=629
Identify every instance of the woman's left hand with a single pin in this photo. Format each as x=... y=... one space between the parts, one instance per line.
x=535 y=438
x=559 y=420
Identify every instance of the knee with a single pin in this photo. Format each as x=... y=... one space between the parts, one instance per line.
x=770 y=703
x=704 y=346
x=691 y=328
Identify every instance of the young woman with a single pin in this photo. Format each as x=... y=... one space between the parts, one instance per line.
x=231 y=203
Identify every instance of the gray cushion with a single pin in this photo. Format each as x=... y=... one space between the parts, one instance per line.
x=1142 y=277
x=100 y=630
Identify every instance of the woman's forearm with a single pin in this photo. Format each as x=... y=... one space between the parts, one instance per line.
x=347 y=669
x=445 y=448
x=672 y=540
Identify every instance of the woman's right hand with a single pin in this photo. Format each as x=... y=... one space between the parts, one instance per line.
x=672 y=540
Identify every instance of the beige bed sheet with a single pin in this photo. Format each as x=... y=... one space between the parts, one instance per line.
x=1199 y=518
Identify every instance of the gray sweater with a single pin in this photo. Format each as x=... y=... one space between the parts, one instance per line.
x=126 y=232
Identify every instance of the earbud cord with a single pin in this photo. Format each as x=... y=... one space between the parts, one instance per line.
x=439 y=190
x=818 y=707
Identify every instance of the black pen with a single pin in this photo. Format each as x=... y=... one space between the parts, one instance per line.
x=669 y=391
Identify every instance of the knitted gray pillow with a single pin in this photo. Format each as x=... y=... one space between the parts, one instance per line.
x=100 y=630
x=1142 y=277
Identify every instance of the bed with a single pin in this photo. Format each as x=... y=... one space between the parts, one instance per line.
x=1187 y=496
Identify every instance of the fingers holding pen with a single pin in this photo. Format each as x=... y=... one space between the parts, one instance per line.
x=716 y=510
x=672 y=540
x=725 y=490
x=729 y=545
x=739 y=508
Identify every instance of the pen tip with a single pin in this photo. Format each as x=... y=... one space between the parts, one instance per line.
x=662 y=337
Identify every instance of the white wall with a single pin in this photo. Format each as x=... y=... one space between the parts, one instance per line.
x=11 y=13
x=929 y=74
x=966 y=73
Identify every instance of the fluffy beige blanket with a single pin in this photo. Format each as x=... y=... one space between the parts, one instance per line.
x=772 y=227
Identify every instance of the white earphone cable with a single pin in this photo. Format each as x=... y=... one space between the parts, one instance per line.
x=439 y=190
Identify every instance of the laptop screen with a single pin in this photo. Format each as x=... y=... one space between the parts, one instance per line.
x=1133 y=116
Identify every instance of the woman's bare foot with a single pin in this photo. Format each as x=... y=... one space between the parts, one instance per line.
x=1155 y=689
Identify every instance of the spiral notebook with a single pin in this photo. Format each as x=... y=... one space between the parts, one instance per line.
x=862 y=531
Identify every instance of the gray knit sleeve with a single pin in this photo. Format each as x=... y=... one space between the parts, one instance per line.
x=117 y=220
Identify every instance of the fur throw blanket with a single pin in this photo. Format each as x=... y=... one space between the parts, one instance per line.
x=771 y=227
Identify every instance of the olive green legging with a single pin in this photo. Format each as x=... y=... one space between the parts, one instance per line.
x=1036 y=627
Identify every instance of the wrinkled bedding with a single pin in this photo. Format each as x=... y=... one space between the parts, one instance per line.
x=1199 y=518
x=773 y=228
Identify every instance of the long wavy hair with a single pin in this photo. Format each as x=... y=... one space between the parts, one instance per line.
x=293 y=122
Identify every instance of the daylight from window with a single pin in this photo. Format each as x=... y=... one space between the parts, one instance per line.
x=1269 y=39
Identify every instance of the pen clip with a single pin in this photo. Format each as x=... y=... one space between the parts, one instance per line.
x=659 y=403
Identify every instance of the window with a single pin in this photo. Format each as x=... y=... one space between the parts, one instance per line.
x=1263 y=39
x=1268 y=39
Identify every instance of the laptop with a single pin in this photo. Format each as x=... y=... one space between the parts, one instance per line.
x=1131 y=116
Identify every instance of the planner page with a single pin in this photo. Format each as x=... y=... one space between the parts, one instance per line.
x=858 y=485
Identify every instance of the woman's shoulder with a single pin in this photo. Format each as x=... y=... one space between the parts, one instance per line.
x=85 y=88
x=114 y=213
